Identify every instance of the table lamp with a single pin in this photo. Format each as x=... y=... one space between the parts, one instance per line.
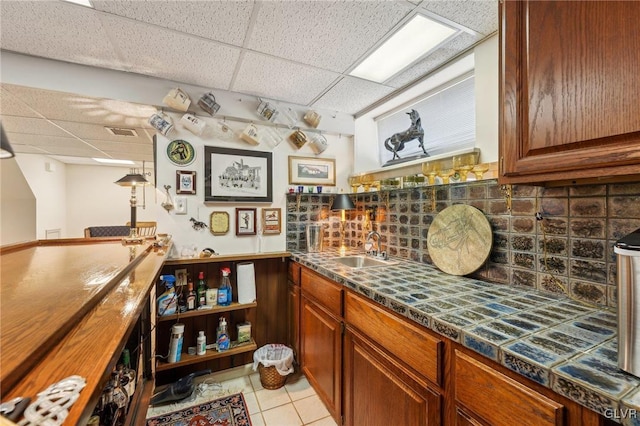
x=133 y=180
x=342 y=202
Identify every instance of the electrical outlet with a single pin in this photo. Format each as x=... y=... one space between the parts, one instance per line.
x=181 y=205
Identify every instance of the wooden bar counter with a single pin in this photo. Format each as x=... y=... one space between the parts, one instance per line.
x=68 y=307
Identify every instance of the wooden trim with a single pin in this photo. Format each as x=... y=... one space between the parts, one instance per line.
x=228 y=258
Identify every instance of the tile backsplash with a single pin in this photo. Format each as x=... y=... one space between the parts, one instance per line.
x=569 y=250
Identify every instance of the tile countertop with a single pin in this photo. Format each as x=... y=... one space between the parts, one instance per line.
x=551 y=339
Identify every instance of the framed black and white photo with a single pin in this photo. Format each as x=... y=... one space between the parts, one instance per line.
x=237 y=175
x=245 y=221
x=185 y=182
x=312 y=171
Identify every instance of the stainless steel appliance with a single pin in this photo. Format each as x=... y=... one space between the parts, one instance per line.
x=627 y=250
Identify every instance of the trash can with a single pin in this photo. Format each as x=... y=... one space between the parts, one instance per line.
x=274 y=362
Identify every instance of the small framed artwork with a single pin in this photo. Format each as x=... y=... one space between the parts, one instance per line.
x=185 y=182
x=219 y=223
x=312 y=171
x=237 y=175
x=245 y=221
x=271 y=222
x=181 y=277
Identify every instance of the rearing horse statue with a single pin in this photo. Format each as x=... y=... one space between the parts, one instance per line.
x=396 y=142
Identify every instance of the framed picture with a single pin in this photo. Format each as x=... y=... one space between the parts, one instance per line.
x=237 y=175
x=181 y=277
x=312 y=171
x=185 y=182
x=271 y=221
x=245 y=221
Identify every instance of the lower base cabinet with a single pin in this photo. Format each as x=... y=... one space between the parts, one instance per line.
x=379 y=391
x=321 y=350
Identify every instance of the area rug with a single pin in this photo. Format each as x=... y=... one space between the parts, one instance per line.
x=226 y=411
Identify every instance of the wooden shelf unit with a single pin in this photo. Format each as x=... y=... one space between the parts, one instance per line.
x=186 y=359
x=235 y=306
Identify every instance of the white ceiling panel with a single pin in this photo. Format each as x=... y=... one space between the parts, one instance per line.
x=82 y=109
x=92 y=131
x=225 y=21
x=431 y=62
x=326 y=34
x=352 y=94
x=163 y=53
x=279 y=79
x=479 y=15
x=11 y=105
x=115 y=148
x=48 y=142
x=56 y=30
x=29 y=125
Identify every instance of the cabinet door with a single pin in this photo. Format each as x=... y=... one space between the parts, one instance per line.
x=293 y=326
x=321 y=345
x=380 y=392
x=569 y=86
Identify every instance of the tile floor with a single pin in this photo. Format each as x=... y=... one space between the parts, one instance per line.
x=295 y=404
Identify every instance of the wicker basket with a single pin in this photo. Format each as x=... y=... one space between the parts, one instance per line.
x=270 y=378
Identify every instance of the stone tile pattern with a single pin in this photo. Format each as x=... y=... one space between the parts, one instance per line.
x=569 y=251
x=555 y=341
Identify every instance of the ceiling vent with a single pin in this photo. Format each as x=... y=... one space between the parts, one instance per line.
x=119 y=131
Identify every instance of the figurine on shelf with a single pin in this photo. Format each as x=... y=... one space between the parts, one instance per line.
x=197 y=225
x=396 y=142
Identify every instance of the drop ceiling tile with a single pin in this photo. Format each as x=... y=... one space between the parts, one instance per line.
x=11 y=105
x=28 y=125
x=134 y=157
x=327 y=34
x=90 y=131
x=123 y=148
x=163 y=53
x=351 y=95
x=71 y=107
x=224 y=21
x=279 y=79
x=478 y=15
x=460 y=43
x=57 y=30
x=55 y=145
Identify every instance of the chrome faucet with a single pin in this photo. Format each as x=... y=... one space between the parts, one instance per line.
x=378 y=252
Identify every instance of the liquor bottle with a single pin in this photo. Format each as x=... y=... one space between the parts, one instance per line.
x=191 y=297
x=202 y=290
x=110 y=414
x=182 y=298
x=129 y=374
x=120 y=396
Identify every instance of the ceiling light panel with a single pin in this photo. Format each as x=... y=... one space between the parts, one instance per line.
x=56 y=30
x=163 y=53
x=273 y=78
x=85 y=3
x=327 y=34
x=112 y=161
x=352 y=95
x=225 y=21
x=412 y=41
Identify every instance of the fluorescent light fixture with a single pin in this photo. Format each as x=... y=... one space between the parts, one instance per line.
x=86 y=3
x=112 y=161
x=410 y=42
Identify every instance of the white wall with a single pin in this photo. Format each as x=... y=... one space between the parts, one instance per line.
x=18 y=206
x=484 y=62
x=47 y=178
x=179 y=226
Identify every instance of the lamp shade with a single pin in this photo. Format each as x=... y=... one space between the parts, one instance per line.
x=132 y=179
x=342 y=202
x=5 y=148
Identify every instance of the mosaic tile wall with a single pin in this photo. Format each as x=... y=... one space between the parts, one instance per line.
x=570 y=250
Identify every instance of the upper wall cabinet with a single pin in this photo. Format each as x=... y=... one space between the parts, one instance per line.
x=569 y=90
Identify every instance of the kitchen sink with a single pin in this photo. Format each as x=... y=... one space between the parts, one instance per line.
x=362 y=261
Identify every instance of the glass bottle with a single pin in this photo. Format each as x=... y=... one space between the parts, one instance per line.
x=128 y=373
x=120 y=396
x=110 y=414
x=191 y=297
x=202 y=290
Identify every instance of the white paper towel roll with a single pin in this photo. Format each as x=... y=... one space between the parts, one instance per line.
x=246 y=277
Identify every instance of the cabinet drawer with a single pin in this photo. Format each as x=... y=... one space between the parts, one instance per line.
x=294 y=272
x=325 y=291
x=408 y=342
x=498 y=399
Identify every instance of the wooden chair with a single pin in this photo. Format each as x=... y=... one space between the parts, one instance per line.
x=145 y=229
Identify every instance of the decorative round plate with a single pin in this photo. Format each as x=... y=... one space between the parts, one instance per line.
x=181 y=152
x=459 y=239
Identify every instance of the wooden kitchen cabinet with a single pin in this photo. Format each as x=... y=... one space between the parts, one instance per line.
x=293 y=309
x=569 y=87
x=380 y=390
x=321 y=339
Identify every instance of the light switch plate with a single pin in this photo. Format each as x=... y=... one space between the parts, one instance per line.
x=181 y=205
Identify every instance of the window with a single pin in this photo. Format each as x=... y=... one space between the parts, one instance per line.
x=447 y=116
